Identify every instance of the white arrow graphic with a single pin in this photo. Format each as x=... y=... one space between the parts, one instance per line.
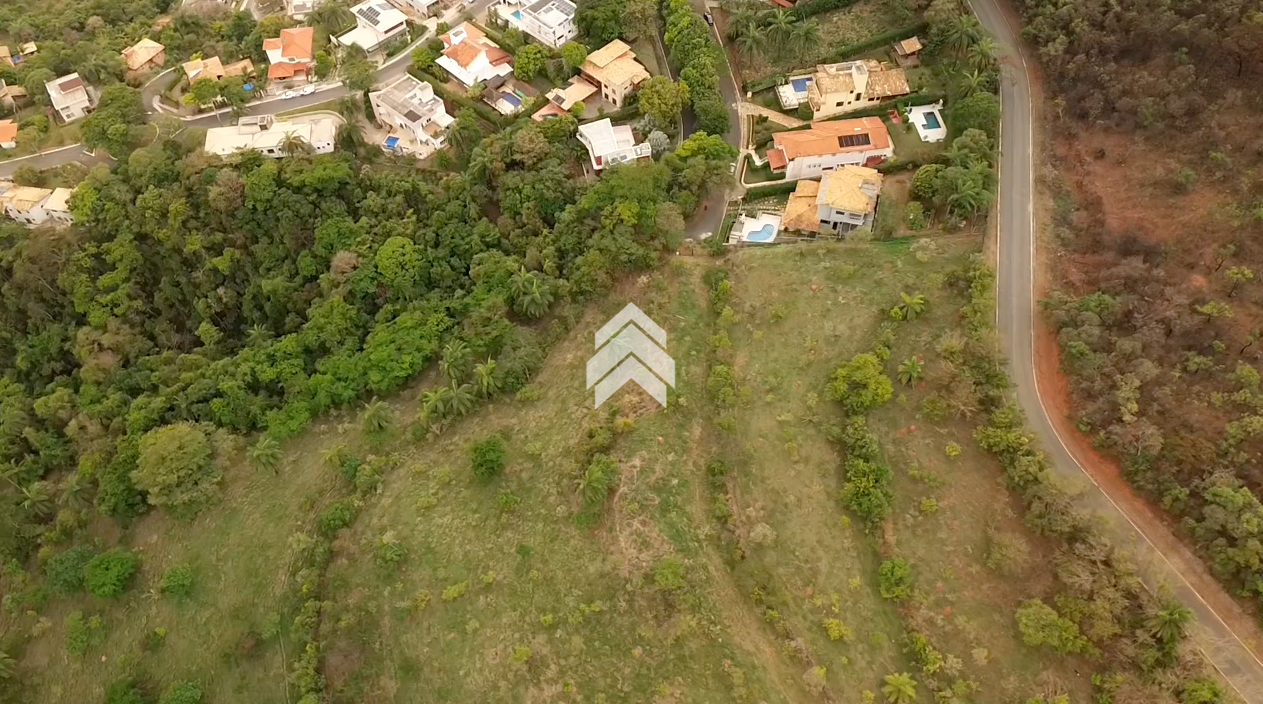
x=631 y=355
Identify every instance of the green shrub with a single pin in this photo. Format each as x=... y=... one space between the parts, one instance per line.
x=110 y=573
x=668 y=574
x=336 y=516
x=177 y=582
x=175 y=468
x=124 y=691
x=895 y=579
x=64 y=571
x=487 y=457
x=82 y=633
x=1040 y=624
x=182 y=693
x=859 y=384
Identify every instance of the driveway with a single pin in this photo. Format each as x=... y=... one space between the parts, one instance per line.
x=1222 y=630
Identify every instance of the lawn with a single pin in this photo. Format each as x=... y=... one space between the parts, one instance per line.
x=678 y=583
x=760 y=174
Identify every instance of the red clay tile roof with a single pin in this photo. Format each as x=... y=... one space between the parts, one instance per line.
x=283 y=71
x=8 y=131
x=296 y=43
x=776 y=159
x=824 y=138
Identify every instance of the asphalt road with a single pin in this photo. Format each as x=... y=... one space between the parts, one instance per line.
x=1223 y=645
x=711 y=215
x=52 y=158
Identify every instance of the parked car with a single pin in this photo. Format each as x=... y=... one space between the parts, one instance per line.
x=288 y=94
x=709 y=20
x=307 y=90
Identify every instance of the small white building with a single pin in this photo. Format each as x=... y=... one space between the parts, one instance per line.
x=609 y=144
x=410 y=107
x=71 y=97
x=58 y=206
x=550 y=21
x=268 y=137
x=473 y=58
x=376 y=22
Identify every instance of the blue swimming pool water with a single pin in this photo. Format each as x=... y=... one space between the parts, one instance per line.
x=931 y=121
x=763 y=234
x=800 y=84
x=512 y=99
x=517 y=15
x=392 y=142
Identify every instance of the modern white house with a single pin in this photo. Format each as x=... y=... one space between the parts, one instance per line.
x=841 y=201
x=24 y=203
x=71 y=97
x=57 y=205
x=268 y=137
x=410 y=107
x=609 y=144
x=829 y=145
x=550 y=21
x=473 y=58
x=376 y=22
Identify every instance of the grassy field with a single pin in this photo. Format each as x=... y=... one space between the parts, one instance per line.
x=838 y=29
x=679 y=583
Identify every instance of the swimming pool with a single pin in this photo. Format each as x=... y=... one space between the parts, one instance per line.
x=931 y=121
x=767 y=233
x=800 y=84
x=517 y=15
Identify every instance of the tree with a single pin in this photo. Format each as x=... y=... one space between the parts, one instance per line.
x=294 y=145
x=423 y=58
x=1169 y=623
x=203 y=91
x=910 y=306
x=659 y=142
x=1239 y=275
x=980 y=110
x=662 y=100
x=265 y=453
x=900 y=688
x=860 y=385
x=175 y=468
x=454 y=363
x=110 y=573
x=182 y=693
x=463 y=400
x=981 y=55
x=925 y=181
x=116 y=121
x=804 y=35
x=1040 y=624
x=780 y=28
x=378 y=418
x=529 y=61
x=358 y=74
x=573 y=54
x=485 y=373
x=911 y=370
x=895 y=579
x=531 y=296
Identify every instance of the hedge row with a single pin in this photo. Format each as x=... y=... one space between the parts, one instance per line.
x=775 y=189
x=692 y=47
x=816 y=7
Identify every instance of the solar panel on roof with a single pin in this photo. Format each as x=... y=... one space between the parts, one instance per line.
x=370 y=13
x=854 y=140
x=412 y=115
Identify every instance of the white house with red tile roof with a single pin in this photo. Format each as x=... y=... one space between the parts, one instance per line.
x=290 y=54
x=471 y=57
x=828 y=145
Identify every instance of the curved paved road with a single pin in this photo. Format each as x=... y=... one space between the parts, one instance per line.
x=1224 y=645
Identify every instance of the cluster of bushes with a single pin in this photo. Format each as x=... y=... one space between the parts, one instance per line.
x=105 y=574
x=694 y=50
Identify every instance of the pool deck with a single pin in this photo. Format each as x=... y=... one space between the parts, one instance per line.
x=920 y=117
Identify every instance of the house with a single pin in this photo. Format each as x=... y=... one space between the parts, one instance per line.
x=8 y=134
x=376 y=22
x=550 y=21
x=290 y=54
x=201 y=69
x=6 y=56
x=507 y=95
x=29 y=49
x=827 y=145
x=144 y=55
x=908 y=52
x=615 y=69
x=473 y=58
x=244 y=67
x=71 y=97
x=57 y=205
x=299 y=9
x=10 y=94
x=419 y=8
x=841 y=201
x=25 y=203
x=561 y=100
x=411 y=107
x=608 y=144
x=270 y=138
x=840 y=88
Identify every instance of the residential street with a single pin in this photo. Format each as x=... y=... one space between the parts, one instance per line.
x=52 y=158
x=711 y=216
x=1223 y=630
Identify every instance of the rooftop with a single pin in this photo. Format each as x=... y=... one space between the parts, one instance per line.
x=614 y=65
x=23 y=198
x=801 y=211
x=850 y=188
x=199 y=69
x=413 y=99
x=294 y=43
x=59 y=200
x=879 y=81
x=378 y=14
x=552 y=13
x=910 y=45
x=577 y=91
x=604 y=137
x=8 y=131
x=229 y=140
x=141 y=53
x=837 y=137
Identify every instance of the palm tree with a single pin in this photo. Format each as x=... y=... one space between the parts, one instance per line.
x=749 y=45
x=900 y=688
x=37 y=499
x=378 y=418
x=436 y=403
x=350 y=107
x=455 y=360
x=265 y=454
x=488 y=384
x=1169 y=623
x=534 y=297
x=331 y=16
x=8 y=666
x=76 y=492
x=743 y=21
x=911 y=370
x=974 y=81
x=293 y=145
x=334 y=456
x=257 y=335
x=911 y=306
x=350 y=139
x=962 y=32
x=463 y=399
x=804 y=35
x=968 y=199
x=981 y=54
x=780 y=27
